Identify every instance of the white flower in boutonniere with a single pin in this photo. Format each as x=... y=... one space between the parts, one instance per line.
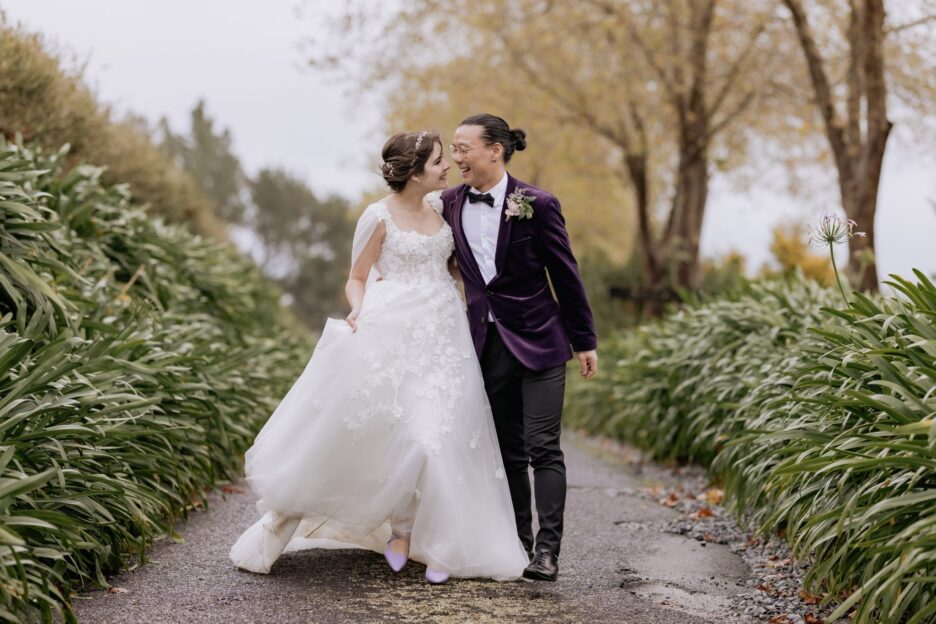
x=519 y=205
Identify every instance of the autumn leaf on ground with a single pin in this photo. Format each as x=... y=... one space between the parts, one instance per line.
x=231 y=489
x=715 y=496
x=766 y=588
x=779 y=619
x=808 y=598
x=116 y=590
x=813 y=619
x=670 y=500
x=704 y=512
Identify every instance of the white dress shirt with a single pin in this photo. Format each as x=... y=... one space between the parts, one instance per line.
x=481 y=224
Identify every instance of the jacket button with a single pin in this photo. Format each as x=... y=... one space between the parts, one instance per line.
x=488 y=292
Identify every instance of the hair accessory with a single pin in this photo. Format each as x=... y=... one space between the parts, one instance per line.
x=389 y=169
x=419 y=140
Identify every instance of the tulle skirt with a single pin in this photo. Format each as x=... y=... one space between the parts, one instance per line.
x=387 y=430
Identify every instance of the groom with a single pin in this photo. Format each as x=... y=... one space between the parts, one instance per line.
x=511 y=244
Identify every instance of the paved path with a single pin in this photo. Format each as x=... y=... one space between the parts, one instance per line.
x=618 y=565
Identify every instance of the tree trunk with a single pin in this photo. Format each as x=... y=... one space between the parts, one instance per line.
x=692 y=172
x=860 y=205
x=857 y=144
x=864 y=265
x=692 y=183
x=651 y=269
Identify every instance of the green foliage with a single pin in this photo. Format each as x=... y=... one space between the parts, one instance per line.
x=790 y=248
x=618 y=300
x=724 y=275
x=209 y=159
x=299 y=240
x=851 y=475
x=41 y=101
x=671 y=386
x=819 y=420
x=306 y=243
x=600 y=274
x=137 y=361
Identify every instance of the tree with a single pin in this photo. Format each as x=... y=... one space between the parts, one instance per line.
x=208 y=157
x=44 y=98
x=672 y=92
x=633 y=78
x=855 y=115
x=306 y=242
x=669 y=104
x=299 y=241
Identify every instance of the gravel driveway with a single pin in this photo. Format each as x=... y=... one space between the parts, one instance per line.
x=618 y=565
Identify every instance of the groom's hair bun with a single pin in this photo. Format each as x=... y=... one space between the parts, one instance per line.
x=519 y=139
x=496 y=130
x=405 y=155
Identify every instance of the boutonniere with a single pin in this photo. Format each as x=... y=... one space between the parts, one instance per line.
x=519 y=205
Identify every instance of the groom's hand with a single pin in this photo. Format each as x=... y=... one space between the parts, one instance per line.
x=588 y=362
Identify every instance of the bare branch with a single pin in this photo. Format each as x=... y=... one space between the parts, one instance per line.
x=676 y=48
x=573 y=106
x=734 y=113
x=701 y=28
x=611 y=11
x=873 y=68
x=855 y=75
x=820 y=81
x=908 y=25
x=735 y=70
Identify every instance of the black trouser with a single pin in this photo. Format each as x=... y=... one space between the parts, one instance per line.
x=527 y=407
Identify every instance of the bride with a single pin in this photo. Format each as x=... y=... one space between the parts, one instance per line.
x=386 y=441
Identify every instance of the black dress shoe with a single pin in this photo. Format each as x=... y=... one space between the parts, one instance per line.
x=545 y=567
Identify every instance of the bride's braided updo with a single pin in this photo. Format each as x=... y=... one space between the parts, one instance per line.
x=405 y=155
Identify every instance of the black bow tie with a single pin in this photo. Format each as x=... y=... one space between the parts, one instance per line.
x=485 y=198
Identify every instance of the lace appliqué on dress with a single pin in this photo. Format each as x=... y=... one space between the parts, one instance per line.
x=416 y=264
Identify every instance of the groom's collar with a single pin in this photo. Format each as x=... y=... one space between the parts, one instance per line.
x=500 y=187
x=498 y=191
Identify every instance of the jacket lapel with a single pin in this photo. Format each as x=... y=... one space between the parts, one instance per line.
x=503 y=232
x=460 y=240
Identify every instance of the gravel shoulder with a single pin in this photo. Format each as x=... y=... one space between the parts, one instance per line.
x=621 y=563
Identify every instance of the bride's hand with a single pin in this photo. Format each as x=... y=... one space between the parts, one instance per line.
x=352 y=319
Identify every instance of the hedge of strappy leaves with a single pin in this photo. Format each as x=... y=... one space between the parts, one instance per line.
x=136 y=363
x=818 y=416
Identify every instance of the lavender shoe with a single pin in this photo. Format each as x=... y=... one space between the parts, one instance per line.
x=436 y=577
x=395 y=559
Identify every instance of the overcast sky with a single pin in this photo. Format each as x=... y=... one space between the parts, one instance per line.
x=241 y=56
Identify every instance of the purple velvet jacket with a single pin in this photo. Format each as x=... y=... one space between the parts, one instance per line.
x=536 y=329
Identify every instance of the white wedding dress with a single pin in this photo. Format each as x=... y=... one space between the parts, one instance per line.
x=389 y=425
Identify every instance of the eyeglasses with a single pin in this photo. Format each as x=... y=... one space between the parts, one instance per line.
x=462 y=150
